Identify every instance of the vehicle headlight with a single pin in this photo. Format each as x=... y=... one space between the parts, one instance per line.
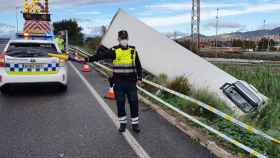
x=61 y=63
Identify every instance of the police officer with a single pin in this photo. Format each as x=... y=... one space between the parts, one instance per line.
x=127 y=71
x=59 y=40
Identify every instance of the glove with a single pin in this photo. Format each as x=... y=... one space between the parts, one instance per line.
x=101 y=49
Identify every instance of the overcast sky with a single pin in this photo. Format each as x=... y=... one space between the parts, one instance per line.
x=163 y=15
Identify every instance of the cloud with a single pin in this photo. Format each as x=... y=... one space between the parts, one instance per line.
x=131 y=8
x=7 y=28
x=206 y=14
x=188 y=6
x=170 y=6
x=12 y=4
x=85 y=2
x=88 y=13
x=167 y=20
x=94 y=30
x=83 y=20
x=92 y=26
x=257 y=8
x=226 y=25
x=159 y=13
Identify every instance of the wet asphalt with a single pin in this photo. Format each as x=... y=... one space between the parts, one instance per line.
x=41 y=122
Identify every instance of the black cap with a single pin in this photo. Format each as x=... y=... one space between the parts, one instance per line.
x=123 y=34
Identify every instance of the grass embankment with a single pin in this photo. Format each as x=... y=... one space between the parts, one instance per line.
x=266 y=79
x=250 y=56
x=263 y=78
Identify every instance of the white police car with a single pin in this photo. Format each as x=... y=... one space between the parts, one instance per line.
x=32 y=60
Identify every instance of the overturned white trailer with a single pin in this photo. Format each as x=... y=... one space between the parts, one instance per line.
x=160 y=55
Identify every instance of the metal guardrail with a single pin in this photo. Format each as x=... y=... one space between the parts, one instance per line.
x=80 y=51
x=211 y=129
x=205 y=106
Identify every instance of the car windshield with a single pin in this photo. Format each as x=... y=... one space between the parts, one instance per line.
x=30 y=49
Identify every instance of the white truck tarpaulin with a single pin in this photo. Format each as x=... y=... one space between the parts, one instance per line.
x=160 y=55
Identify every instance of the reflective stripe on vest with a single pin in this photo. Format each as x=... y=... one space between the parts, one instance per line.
x=125 y=61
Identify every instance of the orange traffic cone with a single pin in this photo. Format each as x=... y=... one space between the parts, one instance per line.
x=86 y=68
x=110 y=94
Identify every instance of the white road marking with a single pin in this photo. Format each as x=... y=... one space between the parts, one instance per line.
x=139 y=150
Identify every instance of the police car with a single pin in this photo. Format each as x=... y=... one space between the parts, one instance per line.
x=30 y=59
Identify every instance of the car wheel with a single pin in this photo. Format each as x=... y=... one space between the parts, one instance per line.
x=63 y=88
x=4 y=91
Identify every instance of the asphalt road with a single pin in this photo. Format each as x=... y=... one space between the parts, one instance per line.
x=40 y=122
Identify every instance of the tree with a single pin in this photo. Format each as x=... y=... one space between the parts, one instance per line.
x=264 y=43
x=185 y=43
x=249 y=44
x=92 y=42
x=237 y=43
x=76 y=37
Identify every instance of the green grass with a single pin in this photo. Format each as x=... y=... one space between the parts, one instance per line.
x=180 y=84
x=264 y=79
x=267 y=81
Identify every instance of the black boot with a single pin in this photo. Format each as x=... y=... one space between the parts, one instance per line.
x=122 y=127
x=136 y=128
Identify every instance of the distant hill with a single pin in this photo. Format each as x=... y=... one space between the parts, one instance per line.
x=276 y=30
x=252 y=34
x=249 y=34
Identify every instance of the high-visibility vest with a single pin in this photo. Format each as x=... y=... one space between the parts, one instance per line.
x=125 y=60
x=60 y=43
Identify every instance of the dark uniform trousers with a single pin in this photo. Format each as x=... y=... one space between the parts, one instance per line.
x=129 y=90
x=127 y=70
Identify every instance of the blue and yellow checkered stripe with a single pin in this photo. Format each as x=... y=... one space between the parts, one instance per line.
x=20 y=69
